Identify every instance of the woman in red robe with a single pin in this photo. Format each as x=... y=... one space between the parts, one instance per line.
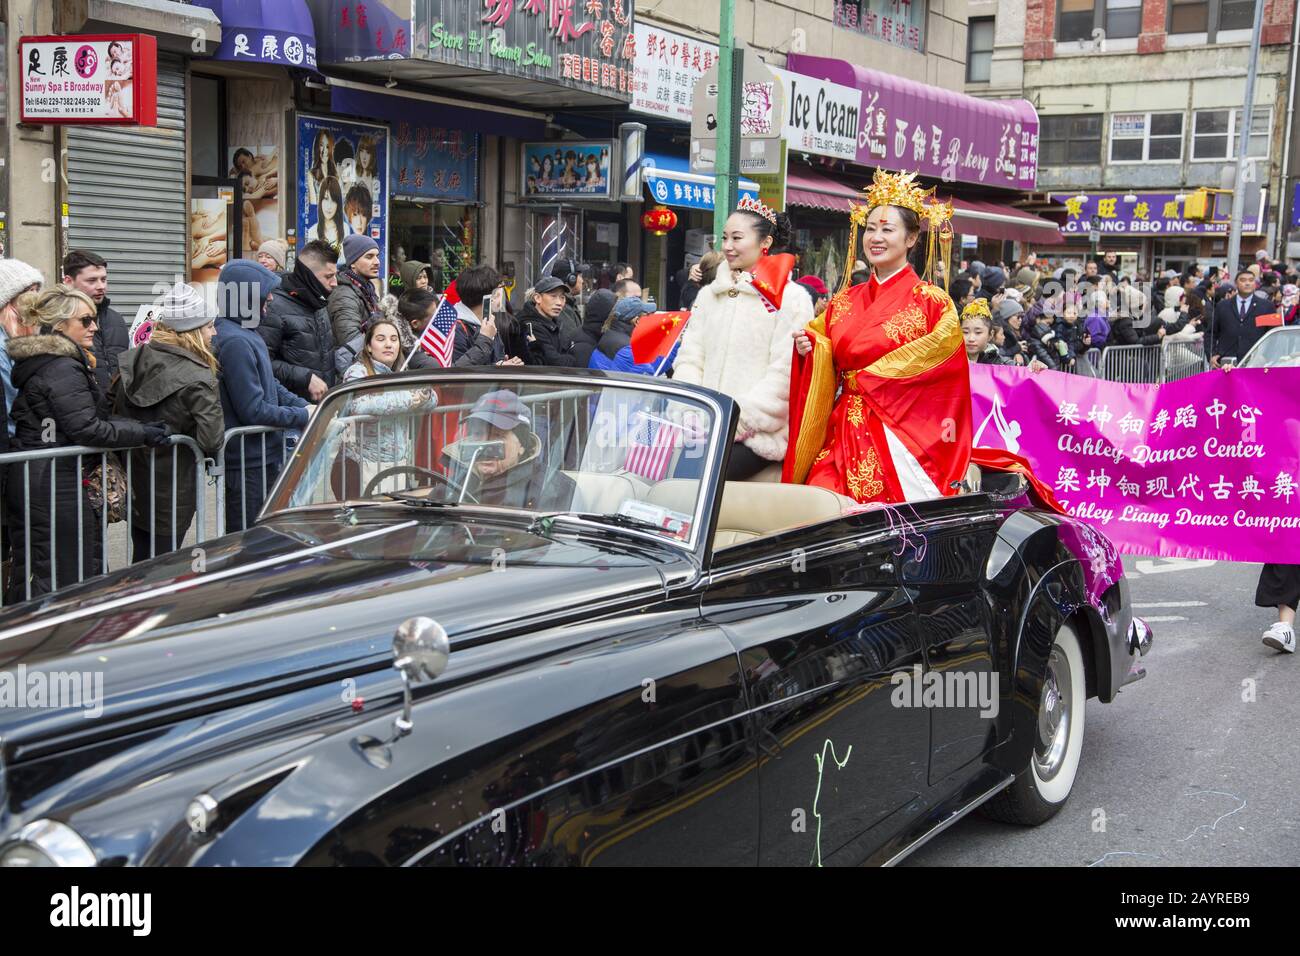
x=900 y=427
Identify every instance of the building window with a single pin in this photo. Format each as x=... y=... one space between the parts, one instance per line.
x=1069 y=140
x=1146 y=137
x=1189 y=16
x=1214 y=134
x=1210 y=16
x=1118 y=18
x=1236 y=14
x=979 y=49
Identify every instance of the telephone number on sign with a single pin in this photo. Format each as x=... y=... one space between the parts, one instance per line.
x=65 y=105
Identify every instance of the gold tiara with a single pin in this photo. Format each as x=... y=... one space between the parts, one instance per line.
x=901 y=189
x=979 y=307
x=751 y=204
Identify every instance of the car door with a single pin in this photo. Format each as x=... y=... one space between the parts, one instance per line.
x=942 y=568
x=821 y=625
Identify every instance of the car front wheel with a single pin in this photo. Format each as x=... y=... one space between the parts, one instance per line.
x=1041 y=789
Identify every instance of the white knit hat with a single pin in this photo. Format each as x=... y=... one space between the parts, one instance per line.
x=182 y=308
x=15 y=278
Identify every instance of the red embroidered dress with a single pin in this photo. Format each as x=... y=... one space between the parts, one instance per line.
x=900 y=427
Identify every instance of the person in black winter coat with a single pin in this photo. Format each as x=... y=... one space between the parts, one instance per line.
x=60 y=404
x=599 y=308
x=1071 y=331
x=478 y=341
x=977 y=333
x=296 y=324
x=549 y=342
x=87 y=272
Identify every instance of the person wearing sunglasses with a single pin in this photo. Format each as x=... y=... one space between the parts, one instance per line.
x=60 y=403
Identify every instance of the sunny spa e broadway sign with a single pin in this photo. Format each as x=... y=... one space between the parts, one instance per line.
x=90 y=79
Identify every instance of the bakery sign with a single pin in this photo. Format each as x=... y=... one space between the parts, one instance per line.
x=89 y=79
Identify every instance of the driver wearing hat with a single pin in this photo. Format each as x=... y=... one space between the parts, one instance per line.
x=505 y=458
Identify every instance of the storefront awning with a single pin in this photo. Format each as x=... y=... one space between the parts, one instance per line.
x=812 y=191
x=278 y=32
x=978 y=217
x=672 y=183
x=906 y=125
x=360 y=99
x=991 y=220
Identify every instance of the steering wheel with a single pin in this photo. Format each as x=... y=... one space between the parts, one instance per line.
x=374 y=482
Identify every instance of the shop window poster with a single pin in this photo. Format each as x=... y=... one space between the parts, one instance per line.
x=342 y=182
x=434 y=163
x=258 y=171
x=208 y=240
x=564 y=169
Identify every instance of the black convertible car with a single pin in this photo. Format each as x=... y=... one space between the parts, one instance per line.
x=516 y=617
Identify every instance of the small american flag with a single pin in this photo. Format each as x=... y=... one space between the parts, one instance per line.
x=652 y=448
x=439 y=336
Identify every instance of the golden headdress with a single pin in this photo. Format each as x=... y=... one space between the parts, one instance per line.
x=978 y=307
x=901 y=189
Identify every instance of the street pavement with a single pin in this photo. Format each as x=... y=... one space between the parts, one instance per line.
x=1183 y=768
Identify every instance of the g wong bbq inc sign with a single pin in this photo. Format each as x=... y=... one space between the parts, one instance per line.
x=1142 y=214
x=91 y=79
x=587 y=45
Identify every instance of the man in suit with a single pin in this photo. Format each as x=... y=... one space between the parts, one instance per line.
x=1235 y=330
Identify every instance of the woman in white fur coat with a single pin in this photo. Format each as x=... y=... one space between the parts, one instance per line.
x=735 y=344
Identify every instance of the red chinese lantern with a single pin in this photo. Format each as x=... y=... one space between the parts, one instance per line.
x=659 y=221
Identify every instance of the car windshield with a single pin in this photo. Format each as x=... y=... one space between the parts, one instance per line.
x=1280 y=349
x=576 y=455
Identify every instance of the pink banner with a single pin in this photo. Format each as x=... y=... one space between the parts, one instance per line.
x=1206 y=467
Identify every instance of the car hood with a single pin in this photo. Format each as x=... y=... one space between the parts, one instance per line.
x=297 y=601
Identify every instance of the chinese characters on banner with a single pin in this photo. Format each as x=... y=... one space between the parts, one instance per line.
x=896 y=22
x=666 y=67
x=350 y=30
x=904 y=125
x=1205 y=467
x=434 y=163
x=342 y=182
x=1149 y=214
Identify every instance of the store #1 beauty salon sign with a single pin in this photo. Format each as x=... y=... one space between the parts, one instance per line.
x=90 y=79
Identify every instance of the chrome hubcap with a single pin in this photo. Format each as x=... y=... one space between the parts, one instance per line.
x=1054 y=716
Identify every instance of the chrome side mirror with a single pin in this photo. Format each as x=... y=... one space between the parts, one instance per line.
x=420 y=652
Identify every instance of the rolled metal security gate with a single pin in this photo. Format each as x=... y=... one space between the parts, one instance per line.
x=126 y=188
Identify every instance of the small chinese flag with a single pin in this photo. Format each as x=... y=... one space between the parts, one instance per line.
x=656 y=334
x=770 y=277
x=452 y=293
x=1267 y=321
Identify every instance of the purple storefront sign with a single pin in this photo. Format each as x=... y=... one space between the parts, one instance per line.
x=945 y=135
x=1148 y=214
x=1205 y=467
x=260 y=31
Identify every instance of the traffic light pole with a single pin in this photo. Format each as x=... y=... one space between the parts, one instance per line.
x=730 y=83
x=1243 y=143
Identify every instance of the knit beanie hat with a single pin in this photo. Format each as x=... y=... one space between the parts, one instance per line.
x=15 y=277
x=239 y=275
x=277 y=249
x=355 y=246
x=183 y=309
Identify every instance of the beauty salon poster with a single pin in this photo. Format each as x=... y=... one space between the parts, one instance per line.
x=342 y=182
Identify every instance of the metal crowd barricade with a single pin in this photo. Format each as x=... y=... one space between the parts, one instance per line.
x=262 y=437
x=1131 y=364
x=17 y=468
x=1182 y=359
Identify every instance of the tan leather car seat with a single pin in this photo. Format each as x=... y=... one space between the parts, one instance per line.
x=753 y=509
